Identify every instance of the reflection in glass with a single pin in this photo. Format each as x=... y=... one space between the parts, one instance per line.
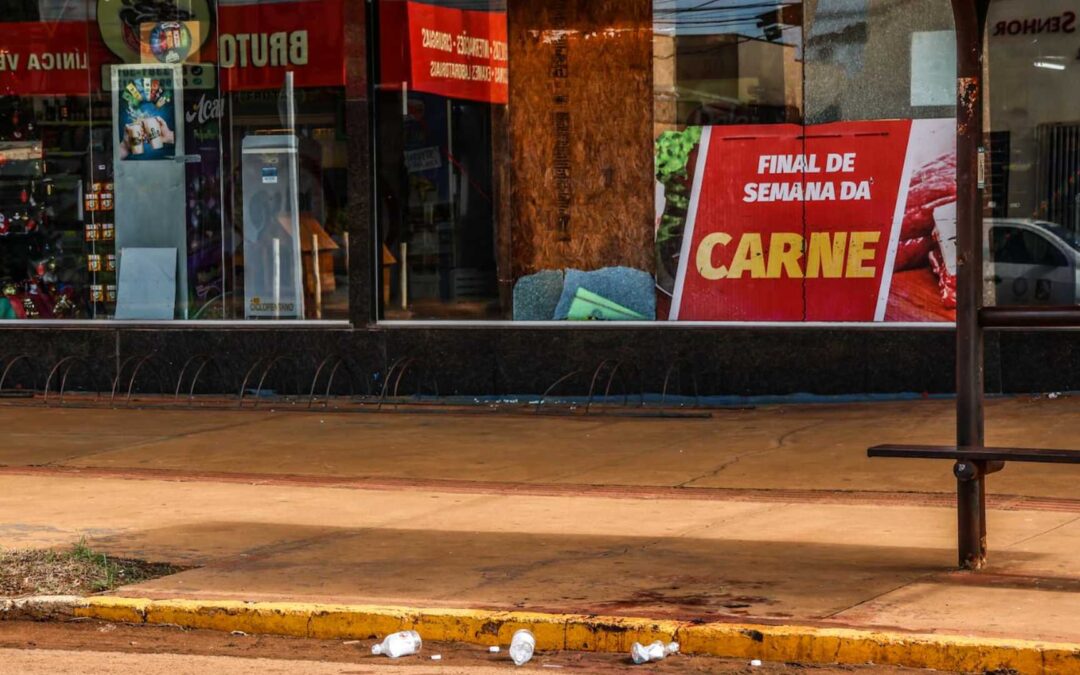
x=440 y=108
x=727 y=62
x=1032 y=123
x=879 y=59
x=499 y=206
x=122 y=135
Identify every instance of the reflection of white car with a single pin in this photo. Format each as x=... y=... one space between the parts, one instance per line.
x=1030 y=262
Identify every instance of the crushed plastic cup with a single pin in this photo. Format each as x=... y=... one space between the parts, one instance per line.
x=756 y=663
x=522 y=646
x=396 y=645
x=656 y=651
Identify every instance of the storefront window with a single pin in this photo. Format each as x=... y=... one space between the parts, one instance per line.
x=168 y=159
x=666 y=160
x=1032 y=214
x=441 y=118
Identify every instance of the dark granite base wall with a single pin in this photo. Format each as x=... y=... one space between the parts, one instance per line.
x=502 y=361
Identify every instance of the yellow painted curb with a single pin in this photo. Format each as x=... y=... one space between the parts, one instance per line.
x=802 y=644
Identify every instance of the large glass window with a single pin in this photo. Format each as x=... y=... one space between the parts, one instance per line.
x=1032 y=122
x=172 y=159
x=641 y=160
x=441 y=117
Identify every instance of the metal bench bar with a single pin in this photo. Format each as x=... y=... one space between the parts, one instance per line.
x=971 y=454
x=1030 y=317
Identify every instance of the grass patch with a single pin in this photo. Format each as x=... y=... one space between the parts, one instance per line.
x=77 y=571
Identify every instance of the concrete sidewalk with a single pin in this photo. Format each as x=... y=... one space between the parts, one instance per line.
x=771 y=515
x=794 y=447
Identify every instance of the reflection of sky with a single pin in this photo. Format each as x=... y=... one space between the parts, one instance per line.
x=704 y=17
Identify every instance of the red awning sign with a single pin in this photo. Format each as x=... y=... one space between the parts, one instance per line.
x=48 y=58
x=450 y=52
x=254 y=45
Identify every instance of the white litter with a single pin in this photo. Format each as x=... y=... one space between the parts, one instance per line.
x=399 y=644
x=522 y=646
x=494 y=649
x=756 y=663
x=657 y=651
x=436 y=657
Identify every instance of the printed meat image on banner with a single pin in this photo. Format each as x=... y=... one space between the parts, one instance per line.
x=923 y=284
x=842 y=222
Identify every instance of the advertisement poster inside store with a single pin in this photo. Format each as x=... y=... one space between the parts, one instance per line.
x=170 y=42
x=146 y=114
x=842 y=222
x=123 y=26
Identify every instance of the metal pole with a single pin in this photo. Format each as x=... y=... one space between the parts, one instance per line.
x=970 y=487
x=317 y=273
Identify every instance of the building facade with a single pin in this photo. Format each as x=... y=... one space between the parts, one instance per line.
x=758 y=195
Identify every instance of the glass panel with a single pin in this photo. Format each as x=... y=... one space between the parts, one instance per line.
x=716 y=63
x=173 y=159
x=879 y=59
x=1032 y=214
x=797 y=164
x=728 y=62
x=1024 y=247
x=46 y=139
x=440 y=119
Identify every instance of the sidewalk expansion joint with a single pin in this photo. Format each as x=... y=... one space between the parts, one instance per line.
x=779 y=643
x=843 y=497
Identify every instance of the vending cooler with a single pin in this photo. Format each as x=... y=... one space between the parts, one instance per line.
x=273 y=279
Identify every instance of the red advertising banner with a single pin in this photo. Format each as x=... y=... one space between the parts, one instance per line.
x=254 y=45
x=49 y=59
x=844 y=222
x=258 y=43
x=450 y=52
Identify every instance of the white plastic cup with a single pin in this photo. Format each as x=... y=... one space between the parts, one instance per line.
x=656 y=651
x=522 y=646
x=404 y=643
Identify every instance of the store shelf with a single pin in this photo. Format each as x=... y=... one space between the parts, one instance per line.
x=71 y=123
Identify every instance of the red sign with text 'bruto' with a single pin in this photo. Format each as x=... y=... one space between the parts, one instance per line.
x=257 y=44
x=253 y=46
x=792 y=223
x=458 y=53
